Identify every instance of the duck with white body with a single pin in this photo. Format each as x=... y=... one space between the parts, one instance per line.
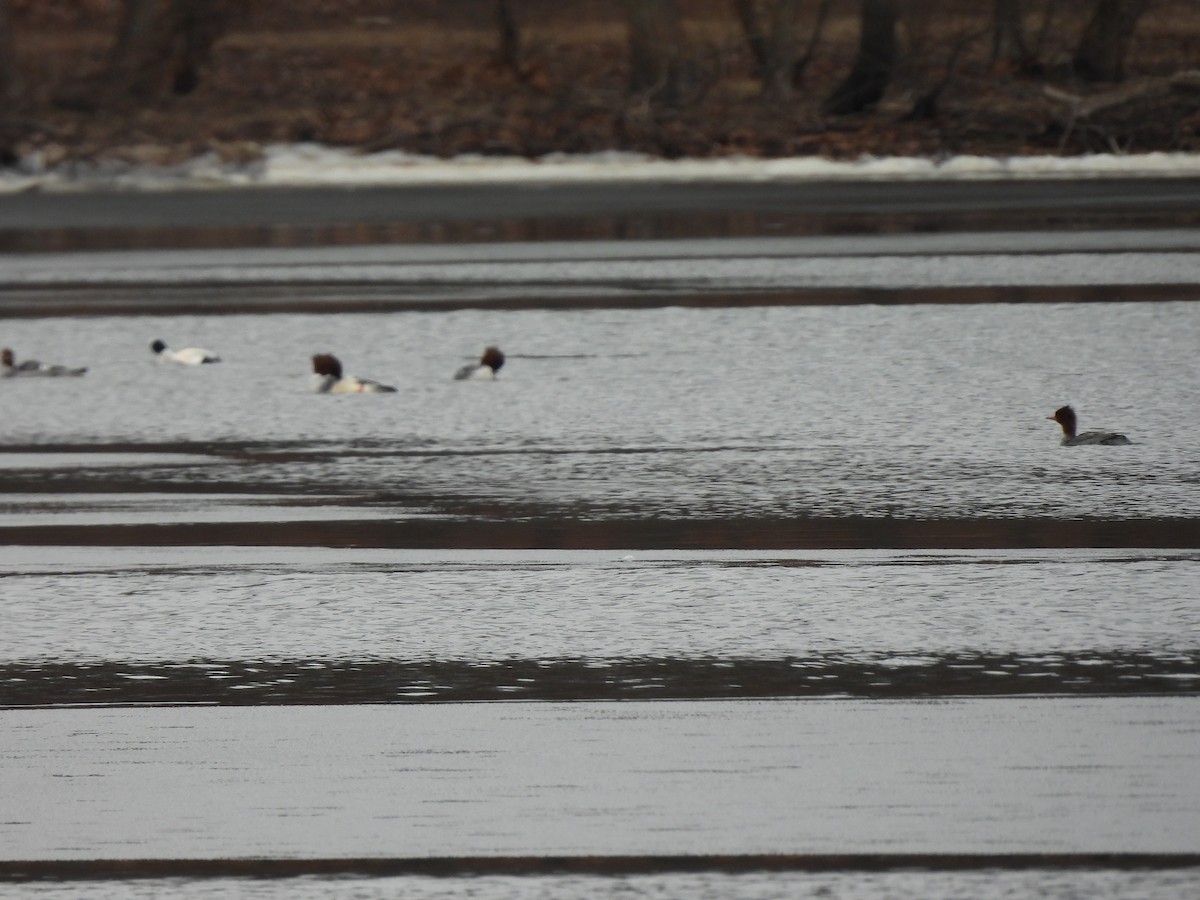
x=328 y=378
x=485 y=370
x=1065 y=416
x=188 y=356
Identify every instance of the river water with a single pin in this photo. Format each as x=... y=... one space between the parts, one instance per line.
x=788 y=579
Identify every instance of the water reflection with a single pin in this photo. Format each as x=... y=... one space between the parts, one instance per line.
x=630 y=226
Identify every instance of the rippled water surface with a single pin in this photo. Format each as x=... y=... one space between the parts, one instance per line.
x=973 y=639
x=900 y=885
x=171 y=604
x=1061 y=775
x=915 y=411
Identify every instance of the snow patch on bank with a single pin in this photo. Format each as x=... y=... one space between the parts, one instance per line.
x=311 y=165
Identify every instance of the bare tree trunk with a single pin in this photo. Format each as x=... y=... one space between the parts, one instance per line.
x=161 y=44
x=813 y=40
x=781 y=47
x=775 y=48
x=926 y=105
x=1039 y=43
x=1101 y=52
x=752 y=27
x=131 y=62
x=655 y=49
x=510 y=37
x=9 y=82
x=872 y=71
x=196 y=25
x=1008 y=35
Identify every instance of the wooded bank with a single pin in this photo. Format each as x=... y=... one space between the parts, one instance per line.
x=160 y=80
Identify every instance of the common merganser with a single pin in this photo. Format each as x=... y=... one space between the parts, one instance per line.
x=1065 y=416
x=188 y=356
x=487 y=367
x=31 y=367
x=330 y=380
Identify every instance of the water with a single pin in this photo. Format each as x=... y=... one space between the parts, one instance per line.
x=230 y=603
x=957 y=776
x=984 y=884
x=316 y=604
x=915 y=411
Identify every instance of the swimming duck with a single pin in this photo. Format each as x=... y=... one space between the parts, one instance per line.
x=487 y=367
x=1065 y=416
x=188 y=356
x=330 y=380
x=9 y=367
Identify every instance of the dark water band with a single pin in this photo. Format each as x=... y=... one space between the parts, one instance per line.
x=357 y=681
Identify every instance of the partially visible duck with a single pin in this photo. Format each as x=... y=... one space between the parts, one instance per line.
x=487 y=367
x=1065 y=416
x=328 y=379
x=188 y=356
x=9 y=368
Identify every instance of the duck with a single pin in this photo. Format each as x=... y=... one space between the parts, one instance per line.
x=488 y=366
x=1065 y=416
x=188 y=356
x=329 y=379
x=9 y=368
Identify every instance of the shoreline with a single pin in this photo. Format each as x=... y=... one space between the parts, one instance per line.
x=316 y=165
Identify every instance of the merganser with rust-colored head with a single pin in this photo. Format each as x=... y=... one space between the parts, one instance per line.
x=188 y=356
x=1065 y=416
x=10 y=368
x=328 y=379
x=488 y=366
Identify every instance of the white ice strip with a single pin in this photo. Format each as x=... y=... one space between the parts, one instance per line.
x=296 y=165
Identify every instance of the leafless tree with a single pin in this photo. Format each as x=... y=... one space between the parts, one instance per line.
x=162 y=44
x=780 y=50
x=774 y=43
x=930 y=89
x=1008 y=35
x=1049 y=15
x=197 y=24
x=9 y=85
x=510 y=36
x=1100 y=55
x=656 y=49
x=867 y=81
x=755 y=31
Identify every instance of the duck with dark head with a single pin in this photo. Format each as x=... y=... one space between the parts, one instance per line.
x=487 y=368
x=10 y=368
x=1065 y=416
x=188 y=356
x=329 y=379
